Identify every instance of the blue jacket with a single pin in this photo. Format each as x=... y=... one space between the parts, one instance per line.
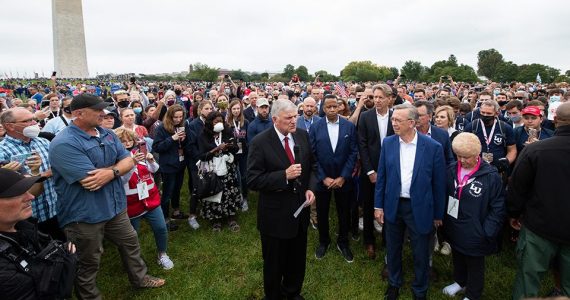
x=521 y=136
x=442 y=137
x=301 y=122
x=257 y=126
x=163 y=144
x=427 y=190
x=340 y=162
x=481 y=212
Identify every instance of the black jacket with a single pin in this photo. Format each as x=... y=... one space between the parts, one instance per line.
x=163 y=144
x=481 y=211
x=538 y=188
x=369 y=139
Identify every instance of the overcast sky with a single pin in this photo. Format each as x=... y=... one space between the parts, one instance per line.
x=146 y=36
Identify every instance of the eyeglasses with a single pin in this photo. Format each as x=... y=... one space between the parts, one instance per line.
x=399 y=120
x=24 y=121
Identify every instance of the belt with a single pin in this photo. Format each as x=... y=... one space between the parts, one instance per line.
x=404 y=199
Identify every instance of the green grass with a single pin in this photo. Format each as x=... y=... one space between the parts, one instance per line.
x=228 y=265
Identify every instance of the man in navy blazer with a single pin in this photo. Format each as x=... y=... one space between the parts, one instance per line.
x=333 y=141
x=425 y=112
x=309 y=116
x=410 y=194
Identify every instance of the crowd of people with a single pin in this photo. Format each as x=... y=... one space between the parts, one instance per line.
x=451 y=167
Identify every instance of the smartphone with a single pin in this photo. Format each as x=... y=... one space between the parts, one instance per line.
x=180 y=129
x=21 y=158
x=226 y=76
x=532 y=133
x=53 y=73
x=44 y=104
x=444 y=77
x=133 y=79
x=142 y=147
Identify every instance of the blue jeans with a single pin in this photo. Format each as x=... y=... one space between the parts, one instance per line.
x=420 y=250
x=156 y=221
x=171 y=185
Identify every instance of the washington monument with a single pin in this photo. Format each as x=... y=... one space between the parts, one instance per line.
x=70 y=57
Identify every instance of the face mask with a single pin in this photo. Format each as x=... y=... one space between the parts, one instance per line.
x=178 y=92
x=123 y=104
x=351 y=101
x=487 y=119
x=554 y=98
x=516 y=118
x=67 y=110
x=222 y=105
x=219 y=127
x=501 y=103
x=170 y=102
x=31 y=131
x=297 y=94
x=2 y=94
x=137 y=110
x=227 y=91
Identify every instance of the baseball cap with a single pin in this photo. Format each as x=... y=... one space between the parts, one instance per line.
x=13 y=184
x=532 y=110
x=108 y=112
x=88 y=101
x=262 y=101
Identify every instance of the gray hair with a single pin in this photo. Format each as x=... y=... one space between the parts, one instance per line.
x=428 y=105
x=412 y=111
x=280 y=105
x=386 y=89
x=491 y=103
x=8 y=115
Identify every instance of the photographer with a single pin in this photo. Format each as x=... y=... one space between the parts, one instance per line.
x=29 y=260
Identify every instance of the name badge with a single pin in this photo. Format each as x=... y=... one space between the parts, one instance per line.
x=240 y=146
x=453 y=207
x=142 y=190
x=488 y=157
x=180 y=155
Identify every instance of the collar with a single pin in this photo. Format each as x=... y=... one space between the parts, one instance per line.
x=335 y=122
x=382 y=116
x=309 y=119
x=102 y=132
x=281 y=136
x=13 y=140
x=414 y=140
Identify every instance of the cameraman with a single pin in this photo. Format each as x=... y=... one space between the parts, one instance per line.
x=24 y=274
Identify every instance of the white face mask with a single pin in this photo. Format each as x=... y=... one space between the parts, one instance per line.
x=31 y=131
x=219 y=127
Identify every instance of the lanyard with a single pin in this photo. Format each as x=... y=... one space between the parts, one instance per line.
x=308 y=123
x=237 y=127
x=488 y=139
x=463 y=181
x=218 y=139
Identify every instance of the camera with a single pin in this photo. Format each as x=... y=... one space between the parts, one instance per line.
x=133 y=79
x=444 y=77
x=226 y=76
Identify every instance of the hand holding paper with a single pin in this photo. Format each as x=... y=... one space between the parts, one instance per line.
x=310 y=198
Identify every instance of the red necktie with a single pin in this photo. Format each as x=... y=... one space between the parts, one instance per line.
x=288 y=150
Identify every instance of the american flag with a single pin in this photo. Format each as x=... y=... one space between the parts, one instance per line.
x=340 y=89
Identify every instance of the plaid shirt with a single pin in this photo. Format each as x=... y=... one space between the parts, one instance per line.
x=44 y=206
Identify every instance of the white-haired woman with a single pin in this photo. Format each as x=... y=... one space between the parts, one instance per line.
x=474 y=215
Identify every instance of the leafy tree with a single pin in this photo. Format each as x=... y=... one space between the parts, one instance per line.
x=240 y=75
x=303 y=73
x=364 y=71
x=288 y=71
x=203 y=72
x=324 y=76
x=527 y=73
x=487 y=62
x=506 y=72
x=395 y=72
x=412 y=70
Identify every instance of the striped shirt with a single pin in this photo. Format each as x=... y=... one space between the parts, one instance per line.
x=44 y=206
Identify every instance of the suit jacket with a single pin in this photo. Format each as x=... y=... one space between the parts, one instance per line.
x=340 y=162
x=278 y=199
x=301 y=121
x=249 y=114
x=369 y=139
x=428 y=188
x=442 y=137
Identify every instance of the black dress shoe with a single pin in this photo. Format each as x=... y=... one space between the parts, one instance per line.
x=346 y=253
x=392 y=293
x=321 y=251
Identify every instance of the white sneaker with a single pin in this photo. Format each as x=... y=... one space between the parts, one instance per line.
x=360 y=223
x=453 y=289
x=193 y=223
x=377 y=226
x=445 y=248
x=244 y=206
x=165 y=262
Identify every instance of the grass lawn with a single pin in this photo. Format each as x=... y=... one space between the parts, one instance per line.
x=228 y=265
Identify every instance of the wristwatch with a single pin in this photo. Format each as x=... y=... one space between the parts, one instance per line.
x=116 y=172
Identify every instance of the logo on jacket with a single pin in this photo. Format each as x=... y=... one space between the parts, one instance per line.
x=498 y=139
x=476 y=188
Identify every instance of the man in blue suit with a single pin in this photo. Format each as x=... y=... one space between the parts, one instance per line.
x=309 y=116
x=334 y=145
x=410 y=194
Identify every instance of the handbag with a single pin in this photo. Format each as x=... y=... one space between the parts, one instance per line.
x=208 y=182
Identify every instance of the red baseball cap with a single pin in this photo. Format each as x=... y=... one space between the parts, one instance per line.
x=532 y=110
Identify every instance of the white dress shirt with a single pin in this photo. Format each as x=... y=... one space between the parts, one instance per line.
x=282 y=139
x=382 y=125
x=333 y=128
x=407 y=159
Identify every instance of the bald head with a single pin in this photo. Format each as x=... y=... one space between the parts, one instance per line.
x=562 y=117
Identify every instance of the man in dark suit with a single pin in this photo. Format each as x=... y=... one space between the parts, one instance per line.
x=425 y=112
x=251 y=111
x=282 y=168
x=333 y=140
x=373 y=126
x=410 y=194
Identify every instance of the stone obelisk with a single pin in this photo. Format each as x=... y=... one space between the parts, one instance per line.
x=70 y=56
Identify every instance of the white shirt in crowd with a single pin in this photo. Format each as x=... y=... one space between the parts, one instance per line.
x=407 y=158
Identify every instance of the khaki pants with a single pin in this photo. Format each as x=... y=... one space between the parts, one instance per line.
x=88 y=238
x=534 y=255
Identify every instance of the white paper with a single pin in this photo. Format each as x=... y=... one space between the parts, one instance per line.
x=453 y=207
x=142 y=190
x=305 y=204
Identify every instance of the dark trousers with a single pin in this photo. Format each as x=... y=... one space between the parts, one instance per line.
x=171 y=185
x=469 y=272
x=353 y=203
x=192 y=180
x=242 y=173
x=284 y=265
x=367 y=199
x=394 y=242
x=343 y=213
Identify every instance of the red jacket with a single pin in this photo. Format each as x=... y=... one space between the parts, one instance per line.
x=135 y=206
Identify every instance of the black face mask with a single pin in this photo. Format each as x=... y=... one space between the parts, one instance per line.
x=297 y=94
x=501 y=103
x=131 y=148
x=67 y=110
x=123 y=104
x=178 y=92
x=488 y=120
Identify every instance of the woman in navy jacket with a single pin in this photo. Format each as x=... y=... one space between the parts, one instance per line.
x=474 y=215
x=170 y=142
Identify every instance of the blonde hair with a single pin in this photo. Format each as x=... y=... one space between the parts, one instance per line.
x=466 y=144
x=126 y=134
x=450 y=114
